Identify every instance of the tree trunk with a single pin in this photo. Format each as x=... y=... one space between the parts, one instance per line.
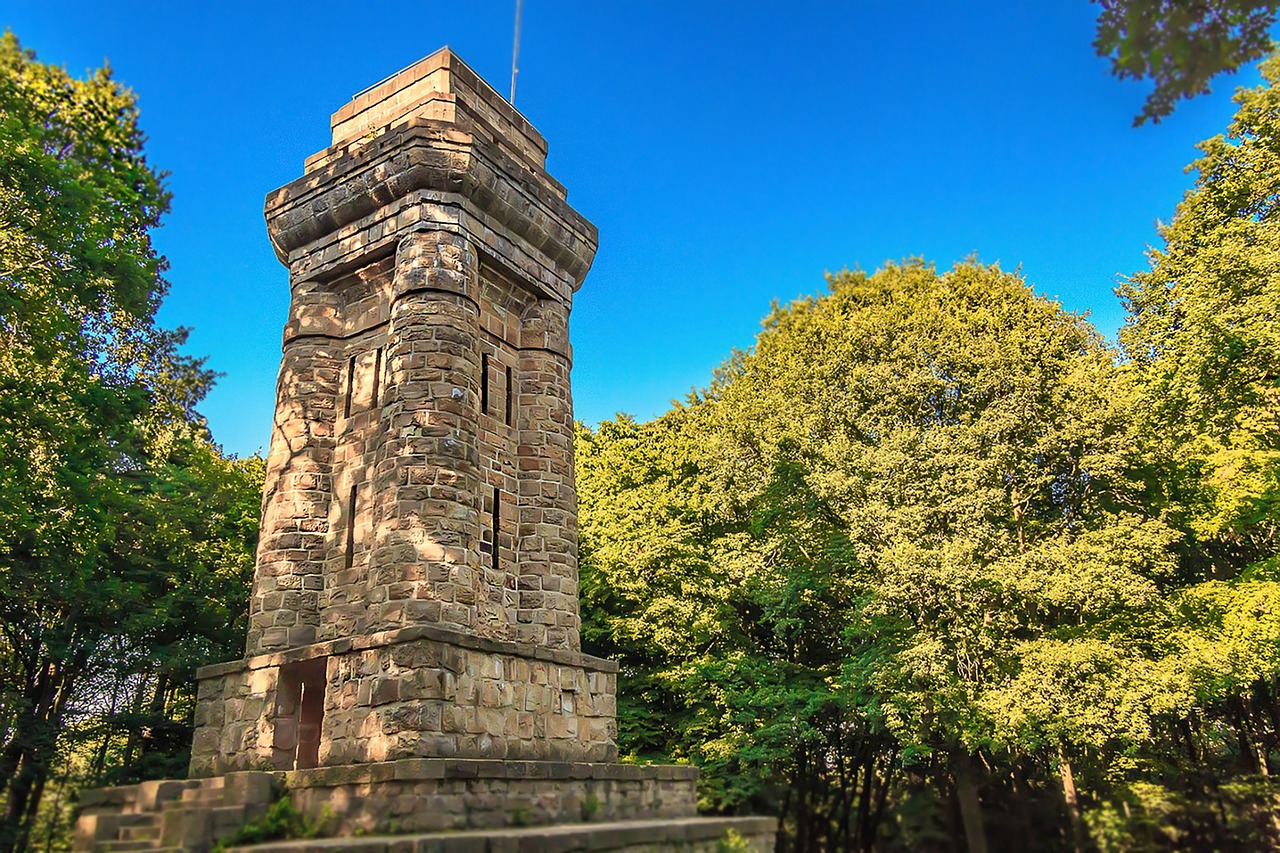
x=37 y=738
x=21 y=759
x=784 y=808
x=155 y=712
x=882 y=799
x=134 y=739
x=970 y=806
x=1073 y=801
x=802 y=802
x=861 y=841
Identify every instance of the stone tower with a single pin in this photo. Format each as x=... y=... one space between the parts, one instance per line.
x=413 y=659
x=417 y=568
x=421 y=459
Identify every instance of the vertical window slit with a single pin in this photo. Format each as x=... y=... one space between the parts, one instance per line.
x=510 y=397
x=497 y=522
x=484 y=383
x=351 y=528
x=351 y=385
x=377 y=374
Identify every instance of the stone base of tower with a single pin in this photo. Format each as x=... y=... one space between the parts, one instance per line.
x=416 y=692
x=411 y=732
x=431 y=804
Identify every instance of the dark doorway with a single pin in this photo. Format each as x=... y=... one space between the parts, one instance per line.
x=299 y=714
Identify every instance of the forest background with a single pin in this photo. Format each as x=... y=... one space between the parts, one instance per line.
x=931 y=561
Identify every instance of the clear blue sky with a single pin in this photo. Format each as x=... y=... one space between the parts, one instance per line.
x=730 y=153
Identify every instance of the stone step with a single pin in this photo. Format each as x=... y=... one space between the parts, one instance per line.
x=141 y=832
x=699 y=833
x=160 y=791
x=131 y=819
x=119 y=846
x=224 y=820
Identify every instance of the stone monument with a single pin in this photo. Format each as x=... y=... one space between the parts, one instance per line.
x=413 y=670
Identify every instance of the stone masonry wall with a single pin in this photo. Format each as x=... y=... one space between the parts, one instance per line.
x=293 y=545
x=418 y=692
x=235 y=721
x=548 y=529
x=427 y=698
x=425 y=795
x=421 y=468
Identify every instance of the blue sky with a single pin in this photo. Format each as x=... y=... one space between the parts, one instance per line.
x=729 y=152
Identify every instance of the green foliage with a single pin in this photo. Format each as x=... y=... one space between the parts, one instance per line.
x=126 y=537
x=1204 y=342
x=906 y=498
x=920 y=564
x=1180 y=45
x=282 y=821
x=733 y=842
x=590 y=808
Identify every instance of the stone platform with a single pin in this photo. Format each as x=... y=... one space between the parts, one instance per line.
x=444 y=804
x=423 y=795
x=691 y=835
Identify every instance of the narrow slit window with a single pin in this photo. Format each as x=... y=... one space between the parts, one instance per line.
x=510 y=398
x=497 y=523
x=351 y=385
x=484 y=383
x=351 y=528
x=377 y=374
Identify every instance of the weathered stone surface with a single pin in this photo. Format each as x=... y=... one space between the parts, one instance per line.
x=413 y=659
x=422 y=795
x=425 y=377
x=421 y=466
x=173 y=814
x=417 y=692
x=697 y=835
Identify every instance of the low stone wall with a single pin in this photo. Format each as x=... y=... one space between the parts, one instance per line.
x=422 y=691
x=424 y=795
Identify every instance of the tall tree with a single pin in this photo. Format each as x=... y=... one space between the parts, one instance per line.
x=1203 y=340
x=961 y=430
x=881 y=550
x=103 y=460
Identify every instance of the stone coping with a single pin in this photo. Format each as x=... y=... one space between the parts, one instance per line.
x=441 y=58
x=416 y=769
x=424 y=153
x=408 y=635
x=585 y=836
x=442 y=136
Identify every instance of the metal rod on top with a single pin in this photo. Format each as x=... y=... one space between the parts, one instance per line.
x=515 y=54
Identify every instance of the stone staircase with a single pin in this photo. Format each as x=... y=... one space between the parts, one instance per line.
x=170 y=815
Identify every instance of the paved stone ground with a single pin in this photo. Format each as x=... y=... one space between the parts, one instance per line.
x=690 y=835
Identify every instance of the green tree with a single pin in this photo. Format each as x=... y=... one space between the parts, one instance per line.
x=1204 y=342
x=730 y=637
x=1203 y=370
x=963 y=432
x=895 y=549
x=1181 y=45
x=106 y=556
